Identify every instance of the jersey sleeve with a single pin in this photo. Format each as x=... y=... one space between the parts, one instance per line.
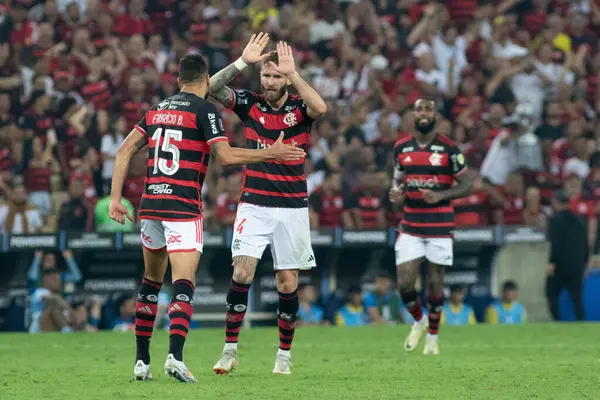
x=457 y=161
x=141 y=126
x=303 y=107
x=243 y=100
x=210 y=122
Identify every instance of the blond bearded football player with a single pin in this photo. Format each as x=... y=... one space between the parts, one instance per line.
x=273 y=207
x=427 y=167
x=181 y=133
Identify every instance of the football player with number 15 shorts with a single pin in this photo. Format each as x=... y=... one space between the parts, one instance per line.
x=427 y=167
x=273 y=207
x=181 y=133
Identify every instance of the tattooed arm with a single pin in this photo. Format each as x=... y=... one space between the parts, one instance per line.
x=462 y=189
x=217 y=89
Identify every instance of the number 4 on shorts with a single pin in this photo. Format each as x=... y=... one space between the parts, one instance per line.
x=240 y=226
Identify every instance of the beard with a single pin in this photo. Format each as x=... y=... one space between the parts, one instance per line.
x=424 y=128
x=274 y=95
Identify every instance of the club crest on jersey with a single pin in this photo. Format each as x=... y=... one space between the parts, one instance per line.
x=435 y=159
x=290 y=119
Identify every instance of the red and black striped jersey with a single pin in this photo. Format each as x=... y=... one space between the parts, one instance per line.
x=432 y=167
x=179 y=130
x=271 y=183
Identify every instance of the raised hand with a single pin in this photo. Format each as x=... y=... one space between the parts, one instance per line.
x=254 y=49
x=285 y=152
x=286 y=65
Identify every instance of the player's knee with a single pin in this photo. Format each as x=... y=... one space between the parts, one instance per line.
x=243 y=273
x=406 y=278
x=287 y=281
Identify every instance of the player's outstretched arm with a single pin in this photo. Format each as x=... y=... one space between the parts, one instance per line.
x=316 y=106
x=279 y=151
x=253 y=53
x=131 y=145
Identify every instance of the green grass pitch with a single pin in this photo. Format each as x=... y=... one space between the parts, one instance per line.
x=534 y=361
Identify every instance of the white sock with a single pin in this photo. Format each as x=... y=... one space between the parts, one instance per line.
x=286 y=353
x=230 y=346
x=432 y=337
x=422 y=320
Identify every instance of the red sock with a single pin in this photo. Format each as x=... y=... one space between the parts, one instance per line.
x=436 y=303
x=287 y=312
x=411 y=301
x=236 y=304
x=180 y=313
x=145 y=314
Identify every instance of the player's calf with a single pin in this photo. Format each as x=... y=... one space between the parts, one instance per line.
x=145 y=315
x=180 y=314
x=287 y=313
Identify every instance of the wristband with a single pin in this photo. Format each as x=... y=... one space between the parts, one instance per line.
x=240 y=64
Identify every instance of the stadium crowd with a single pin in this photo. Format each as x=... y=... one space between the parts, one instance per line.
x=515 y=81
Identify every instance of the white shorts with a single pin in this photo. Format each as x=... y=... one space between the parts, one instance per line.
x=436 y=250
x=286 y=230
x=177 y=237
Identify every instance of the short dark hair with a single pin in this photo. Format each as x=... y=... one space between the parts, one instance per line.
x=454 y=288
x=510 y=285
x=192 y=68
x=354 y=289
x=384 y=275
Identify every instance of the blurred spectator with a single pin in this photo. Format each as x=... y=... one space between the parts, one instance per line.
x=569 y=256
x=534 y=214
x=226 y=203
x=455 y=311
x=365 y=205
x=126 y=315
x=579 y=164
x=105 y=224
x=75 y=213
x=476 y=207
x=353 y=313
x=309 y=312
x=18 y=216
x=510 y=211
x=382 y=304
x=48 y=262
x=507 y=310
x=583 y=207
x=327 y=204
x=111 y=142
x=49 y=310
x=38 y=173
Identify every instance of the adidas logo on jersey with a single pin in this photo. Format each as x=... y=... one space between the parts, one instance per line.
x=311 y=258
x=408 y=159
